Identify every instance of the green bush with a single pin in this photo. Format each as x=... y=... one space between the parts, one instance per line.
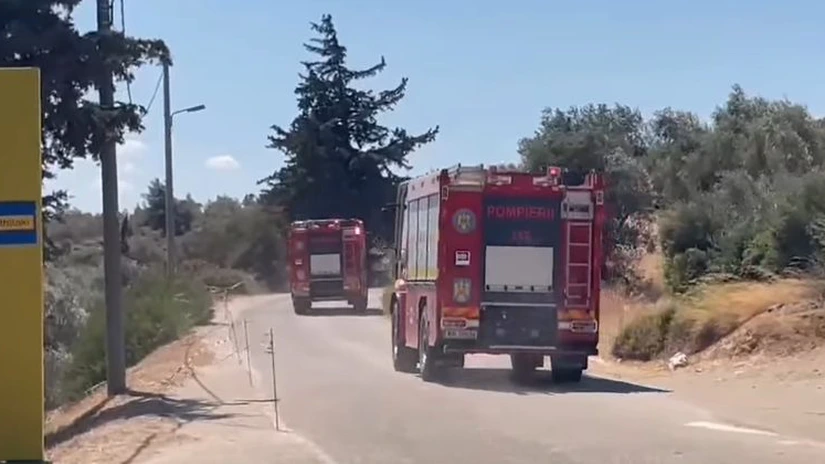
x=156 y=312
x=214 y=276
x=645 y=337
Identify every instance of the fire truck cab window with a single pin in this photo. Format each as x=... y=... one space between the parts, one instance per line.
x=420 y=233
x=405 y=230
x=412 y=246
x=432 y=237
x=421 y=262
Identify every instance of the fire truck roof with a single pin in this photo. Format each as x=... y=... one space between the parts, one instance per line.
x=328 y=222
x=480 y=175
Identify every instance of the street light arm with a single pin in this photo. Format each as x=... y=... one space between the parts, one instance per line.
x=191 y=109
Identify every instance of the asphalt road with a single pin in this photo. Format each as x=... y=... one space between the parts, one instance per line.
x=338 y=389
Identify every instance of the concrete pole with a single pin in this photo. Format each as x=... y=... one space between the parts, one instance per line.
x=115 y=347
x=170 y=196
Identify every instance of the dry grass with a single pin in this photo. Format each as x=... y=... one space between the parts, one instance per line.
x=616 y=311
x=744 y=300
x=698 y=320
x=651 y=269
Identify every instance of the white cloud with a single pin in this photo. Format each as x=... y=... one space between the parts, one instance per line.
x=131 y=147
x=128 y=155
x=222 y=163
x=83 y=181
x=122 y=185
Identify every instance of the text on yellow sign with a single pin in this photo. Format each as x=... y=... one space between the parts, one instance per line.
x=13 y=223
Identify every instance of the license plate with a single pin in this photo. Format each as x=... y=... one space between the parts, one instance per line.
x=460 y=333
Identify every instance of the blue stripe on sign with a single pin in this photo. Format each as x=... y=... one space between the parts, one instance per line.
x=18 y=238
x=18 y=208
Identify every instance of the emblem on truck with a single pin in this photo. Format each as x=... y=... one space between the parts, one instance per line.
x=464 y=221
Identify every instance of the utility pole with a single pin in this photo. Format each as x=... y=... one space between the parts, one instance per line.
x=170 y=196
x=115 y=350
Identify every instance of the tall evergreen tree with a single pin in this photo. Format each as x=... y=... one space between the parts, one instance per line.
x=155 y=209
x=339 y=159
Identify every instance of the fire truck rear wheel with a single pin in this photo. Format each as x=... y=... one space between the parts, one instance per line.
x=566 y=375
x=404 y=359
x=360 y=304
x=427 y=367
x=567 y=369
x=301 y=305
x=524 y=365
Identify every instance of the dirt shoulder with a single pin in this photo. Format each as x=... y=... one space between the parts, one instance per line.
x=782 y=395
x=755 y=350
x=189 y=400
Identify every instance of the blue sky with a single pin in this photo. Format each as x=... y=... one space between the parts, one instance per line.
x=481 y=69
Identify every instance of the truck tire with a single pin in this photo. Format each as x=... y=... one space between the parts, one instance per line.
x=567 y=369
x=524 y=365
x=566 y=375
x=360 y=304
x=427 y=366
x=404 y=359
x=301 y=305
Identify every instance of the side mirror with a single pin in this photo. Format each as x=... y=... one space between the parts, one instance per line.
x=390 y=207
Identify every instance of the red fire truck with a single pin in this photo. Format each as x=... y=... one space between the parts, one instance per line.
x=497 y=262
x=327 y=261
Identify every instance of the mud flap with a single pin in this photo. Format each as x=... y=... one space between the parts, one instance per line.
x=569 y=362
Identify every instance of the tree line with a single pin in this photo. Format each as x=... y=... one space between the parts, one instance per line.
x=740 y=194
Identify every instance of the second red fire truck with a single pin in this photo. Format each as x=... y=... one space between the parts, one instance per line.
x=497 y=262
x=327 y=262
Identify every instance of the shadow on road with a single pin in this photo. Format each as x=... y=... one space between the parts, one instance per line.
x=501 y=380
x=135 y=404
x=343 y=311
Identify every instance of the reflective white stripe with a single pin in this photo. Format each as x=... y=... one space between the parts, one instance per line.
x=586 y=326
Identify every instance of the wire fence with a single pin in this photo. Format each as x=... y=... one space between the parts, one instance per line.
x=237 y=351
x=239 y=347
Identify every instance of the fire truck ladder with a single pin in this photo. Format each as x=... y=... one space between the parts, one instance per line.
x=577 y=292
x=465 y=177
x=578 y=211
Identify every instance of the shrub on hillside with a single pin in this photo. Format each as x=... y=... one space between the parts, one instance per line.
x=157 y=312
x=694 y=321
x=218 y=277
x=749 y=228
x=68 y=295
x=644 y=337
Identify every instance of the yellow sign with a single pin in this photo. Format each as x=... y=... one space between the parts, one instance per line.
x=21 y=272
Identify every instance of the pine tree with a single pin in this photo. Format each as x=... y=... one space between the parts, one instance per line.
x=155 y=209
x=339 y=159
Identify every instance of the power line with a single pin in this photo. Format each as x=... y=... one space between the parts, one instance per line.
x=154 y=94
x=123 y=30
